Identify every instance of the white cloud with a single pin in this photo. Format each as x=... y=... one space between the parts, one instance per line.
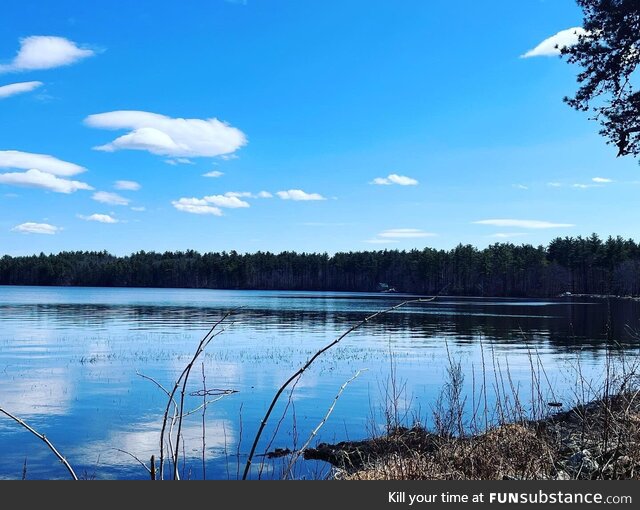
x=585 y=186
x=106 y=197
x=36 y=228
x=139 y=209
x=239 y=194
x=601 y=180
x=127 y=185
x=100 y=218
x=520 y=186
x=179 y=161
x=404 y=233
x=401 y=180
x=228 y=201
x=212 y=204
x=533 y=224
x=36 y=179
x=166 y=136
x=551 y=46
x=395 y=235
x=507 y=235
x=42 y=162
x=45 y=52
x=196 y=206
x=18 y=88
x=213 y=173
x=248 y=194
x=299 y=195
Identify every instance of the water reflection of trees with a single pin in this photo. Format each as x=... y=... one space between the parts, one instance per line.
x=563 y=326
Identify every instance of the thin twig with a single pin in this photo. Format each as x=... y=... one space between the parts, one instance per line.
x=299 y=452
x=204 y=425
x=302 y=369
x=211 y=401
x=185 y=379
x=203 y=343
x=43 y=438
x=277 y=427
x=173 y=418
x=135 y=458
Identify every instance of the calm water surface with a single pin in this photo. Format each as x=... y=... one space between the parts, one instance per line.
x=70 y=358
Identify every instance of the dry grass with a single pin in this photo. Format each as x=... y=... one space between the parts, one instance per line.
x=510 y=451
x=600 y=440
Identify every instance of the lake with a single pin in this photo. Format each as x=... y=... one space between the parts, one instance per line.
x=70 y=360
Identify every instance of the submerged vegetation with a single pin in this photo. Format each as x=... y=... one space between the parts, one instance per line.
x=582 y=265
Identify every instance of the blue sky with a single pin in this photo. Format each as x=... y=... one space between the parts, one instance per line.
x=323 y=125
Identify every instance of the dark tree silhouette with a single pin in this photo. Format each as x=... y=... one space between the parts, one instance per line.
x=609 y=52
x=585 y=265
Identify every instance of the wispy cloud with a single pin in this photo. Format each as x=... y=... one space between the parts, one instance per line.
x=299 y=195
x=100 y=218
x=405 y=233
x=45 y=52
x=179 y=161
x=248 y=194
x=18 y=88
x=395 y=235
x=532 y=224
x=36 y=179
x=324 y=224
x=127 y=185
x=376 y=240
x=508 y=235
x=602 y=180
x=401 y=180
x=36 y=228
x=166 y=136
x=139 y=208
x=585 y=186
x=240 y=194
x=107 y=197
x=42 y=162
x=554 y=184
x=213 y=173
x=551 y=46
x=520 y=186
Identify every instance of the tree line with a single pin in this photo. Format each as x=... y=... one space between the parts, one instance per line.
x=580 y=265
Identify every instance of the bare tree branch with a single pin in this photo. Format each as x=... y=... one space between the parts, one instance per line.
x=135 y=458
x=296 y=455
x=303 y=369
x=43 y=438
x=212 y=333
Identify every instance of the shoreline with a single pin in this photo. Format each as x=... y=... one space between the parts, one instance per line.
x=597 y=440
x=324 y=291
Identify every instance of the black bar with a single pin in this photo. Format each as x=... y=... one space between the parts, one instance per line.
x=331 y=495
